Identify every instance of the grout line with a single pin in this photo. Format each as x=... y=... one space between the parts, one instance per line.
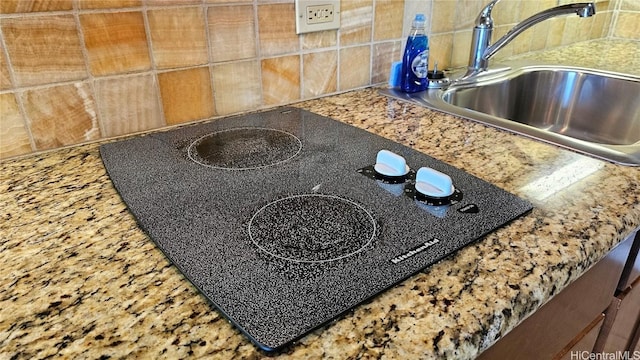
x=139 y=73
x=614 y=19
x=300 y=59
x=207 y=33
x=154 y=66
x=258 y=59
x=12 y=79
x=18 y=95
x=210 y=63
x=147 y=33
x=75 y=9
x=372 y=44
x=302 y=83
x=90 y=78
x=339 y=52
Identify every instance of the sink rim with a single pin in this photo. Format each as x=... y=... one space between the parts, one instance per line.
x=628 y=155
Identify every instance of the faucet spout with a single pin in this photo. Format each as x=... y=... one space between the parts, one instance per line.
x=482 y=51
x=581 y=9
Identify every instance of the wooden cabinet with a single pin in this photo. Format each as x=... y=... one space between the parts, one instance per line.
x=623 y=334
x=621 y=329
x=583 y=342
x=580 y=317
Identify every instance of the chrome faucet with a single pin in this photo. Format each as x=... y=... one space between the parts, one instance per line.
x=481 y=50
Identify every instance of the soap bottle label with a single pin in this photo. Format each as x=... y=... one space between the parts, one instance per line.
x=419 y=64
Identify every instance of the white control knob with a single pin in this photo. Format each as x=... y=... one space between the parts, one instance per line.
x=433 y=183
x=390 y=164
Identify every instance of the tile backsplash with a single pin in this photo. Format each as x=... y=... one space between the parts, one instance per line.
x=76 y=71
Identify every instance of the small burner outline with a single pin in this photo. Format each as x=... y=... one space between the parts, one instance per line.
x=192 y=156
x=362 y=208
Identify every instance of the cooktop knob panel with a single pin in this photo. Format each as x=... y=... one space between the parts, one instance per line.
x=432 y=183
x=390 y=164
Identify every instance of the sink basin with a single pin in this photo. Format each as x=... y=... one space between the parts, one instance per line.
x=589 y=111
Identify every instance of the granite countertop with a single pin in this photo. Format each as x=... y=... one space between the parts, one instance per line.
x=81 y=280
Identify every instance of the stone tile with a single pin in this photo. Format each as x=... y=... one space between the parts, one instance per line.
x=440 y=50
x=108 y=4
x=466 y=13
x=628 y=26
x=498 y=32
x=172 y=2
x=355 y=67
x=61 y=115
x=383 y=55
x=5 y=77
x=602 y=5
x=413 y=7
x=116 y=42
x=388 y=19
x=186 y=95
x=356 y=21
x=14 y=137
x=27 y=6
x=600 y=26
x=539 y=38
x=241 y=86
x=522 y=43
x=128 y=104
x=178 y=37
x=556 y=31
x=576 y=29
x=231 y=32
x=631 y=5
x=277 y=29
x=443 y=17
x=280 y=80
x=531 y=7
x=271 y=1
x=320 y=73
x=461 y=48
x=227 y=1
x=44 y=49
x=320 y=39
x=506 y=12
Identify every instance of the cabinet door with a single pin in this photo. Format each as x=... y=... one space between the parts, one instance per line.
x=631 y=270
x=547 y=332
x=583 y=342
x=627 y=318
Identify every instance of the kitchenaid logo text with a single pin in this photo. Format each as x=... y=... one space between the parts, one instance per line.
x=415 y=250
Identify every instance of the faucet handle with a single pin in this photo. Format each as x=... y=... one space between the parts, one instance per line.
x=484 y=19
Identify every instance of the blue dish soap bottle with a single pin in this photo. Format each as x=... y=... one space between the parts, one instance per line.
x=415 y=62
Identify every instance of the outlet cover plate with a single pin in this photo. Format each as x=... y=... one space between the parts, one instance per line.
x=317 y=15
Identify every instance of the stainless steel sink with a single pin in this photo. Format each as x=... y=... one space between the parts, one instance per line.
x=590 y=111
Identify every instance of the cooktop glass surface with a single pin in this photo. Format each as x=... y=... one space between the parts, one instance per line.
x=281 y=220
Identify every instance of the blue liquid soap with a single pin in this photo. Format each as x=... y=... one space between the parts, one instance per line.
x=415 y=62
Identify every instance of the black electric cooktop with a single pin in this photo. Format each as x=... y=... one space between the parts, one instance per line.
x=281 y=221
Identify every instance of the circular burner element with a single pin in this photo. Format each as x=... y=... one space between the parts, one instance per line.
x=244 y=148
x=312 y=228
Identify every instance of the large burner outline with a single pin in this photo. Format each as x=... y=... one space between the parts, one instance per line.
x=355 y=206
x=193 y=155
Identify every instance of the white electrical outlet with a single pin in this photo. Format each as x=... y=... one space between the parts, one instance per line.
x=317 y=15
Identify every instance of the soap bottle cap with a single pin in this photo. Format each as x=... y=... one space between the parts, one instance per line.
x=419 y=20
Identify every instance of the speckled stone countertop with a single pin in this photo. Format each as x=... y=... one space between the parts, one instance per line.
x=79 y=278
